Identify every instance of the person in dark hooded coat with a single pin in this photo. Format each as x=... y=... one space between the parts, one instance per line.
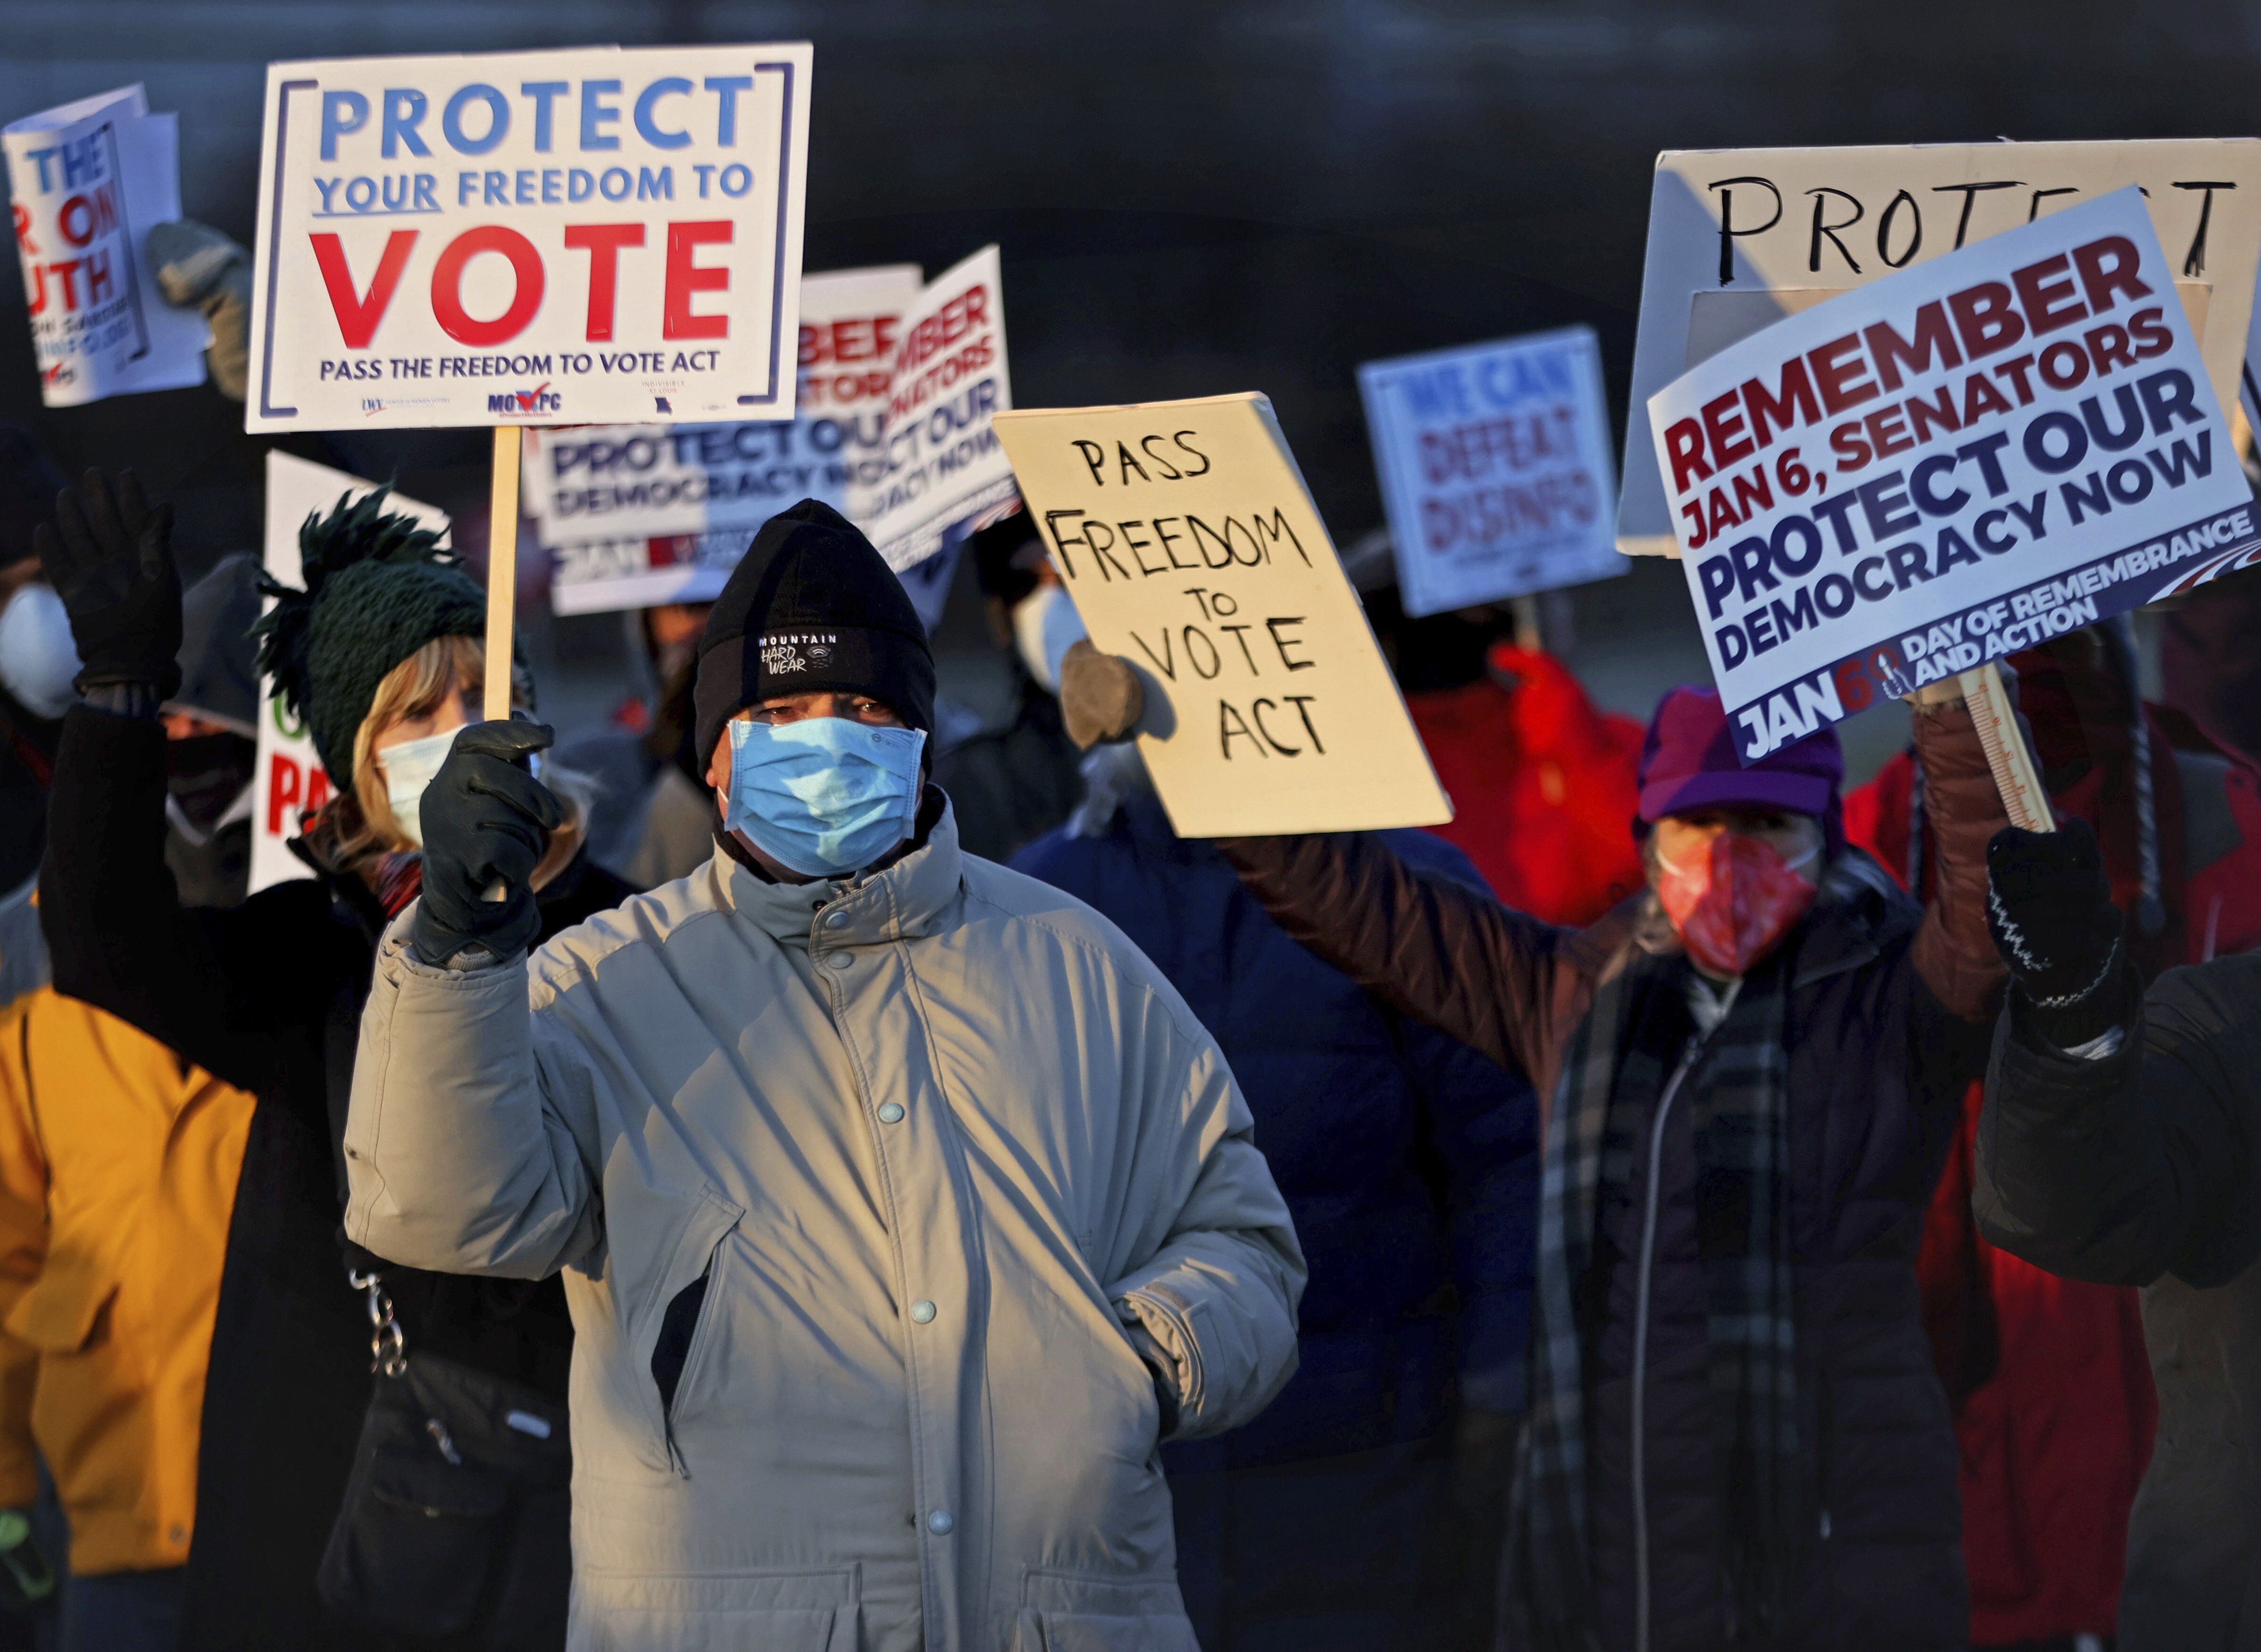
x=379 y=656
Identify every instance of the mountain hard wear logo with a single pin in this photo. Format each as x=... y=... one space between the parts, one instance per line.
x=786 y=652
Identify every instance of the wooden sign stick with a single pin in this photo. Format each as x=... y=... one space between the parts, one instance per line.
x=2015 y=772
x=502 y=571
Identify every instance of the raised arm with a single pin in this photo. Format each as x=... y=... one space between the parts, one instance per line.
x=1441 y=952
x=457 y=1159
x=2121 y=1136
x=117 y=933
x=2120 y=1166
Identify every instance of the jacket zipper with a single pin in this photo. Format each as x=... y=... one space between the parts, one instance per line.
x=1689 y=1051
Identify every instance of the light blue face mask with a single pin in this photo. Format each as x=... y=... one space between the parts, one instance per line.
x=823 y=796
x=408 y=769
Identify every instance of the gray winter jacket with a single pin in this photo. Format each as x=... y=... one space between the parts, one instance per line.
x=941 y=1144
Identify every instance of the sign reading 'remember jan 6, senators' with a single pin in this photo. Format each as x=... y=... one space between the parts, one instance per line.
x=579 y=237
x=1190 y=547
x=1739 y=238
x=1947 y=466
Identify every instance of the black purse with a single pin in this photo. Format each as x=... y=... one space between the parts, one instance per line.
x=456 y=1529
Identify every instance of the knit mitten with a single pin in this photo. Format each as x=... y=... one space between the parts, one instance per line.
x=2049 y=907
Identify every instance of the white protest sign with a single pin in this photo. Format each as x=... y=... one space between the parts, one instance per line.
x=638 y=514
x=1190 y=547
x=529 y=238
x=942 y=465
x=1740 y=238
x=1947 y=466
x=289 y=779
x=88 y=181
x=1494 y=467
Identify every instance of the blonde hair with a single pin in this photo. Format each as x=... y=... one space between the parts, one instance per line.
x=417 y=687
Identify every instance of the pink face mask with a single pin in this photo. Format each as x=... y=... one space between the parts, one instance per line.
x=1731 y=906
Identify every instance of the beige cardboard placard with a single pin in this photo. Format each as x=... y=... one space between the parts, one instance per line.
x=1738 y=238
x=1191 y=548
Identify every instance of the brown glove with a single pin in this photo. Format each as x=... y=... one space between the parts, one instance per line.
x=1100 y=697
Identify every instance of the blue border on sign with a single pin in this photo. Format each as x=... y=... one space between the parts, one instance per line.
x=776 y=272
x=267 y=407
x=268 y=410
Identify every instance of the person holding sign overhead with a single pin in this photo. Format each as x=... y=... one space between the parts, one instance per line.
x=1754 y=1068
x=904 y=1208
x=297 y=1544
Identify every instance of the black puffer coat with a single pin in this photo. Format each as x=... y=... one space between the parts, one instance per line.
x=2143 y=1167
x=268 y=995
x=1884 y=1029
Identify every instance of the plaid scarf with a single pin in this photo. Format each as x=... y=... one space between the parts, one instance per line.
x=1612 y=1079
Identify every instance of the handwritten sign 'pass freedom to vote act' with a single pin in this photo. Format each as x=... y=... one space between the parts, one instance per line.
x=1190 y=547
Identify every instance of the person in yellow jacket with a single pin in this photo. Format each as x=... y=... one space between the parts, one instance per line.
x=118 y=1162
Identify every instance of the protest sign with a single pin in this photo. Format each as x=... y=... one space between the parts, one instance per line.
x=1739 y=238
x=638 y=514
x=289 y=778
x=1946 y=466
x=1495 y=466
x=562 y=237
x=1191 y=548
x=88 y=181
x=942 y=465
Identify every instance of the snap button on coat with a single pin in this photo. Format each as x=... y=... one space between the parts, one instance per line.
x=922 y=1313
x=890 y=1113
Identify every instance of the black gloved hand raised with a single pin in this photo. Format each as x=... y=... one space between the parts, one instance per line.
x=2049 y=906
x=110 y=558
x=486 y=820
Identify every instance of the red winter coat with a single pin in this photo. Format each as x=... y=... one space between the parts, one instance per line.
x=2056 y=1409
x=1541 y=783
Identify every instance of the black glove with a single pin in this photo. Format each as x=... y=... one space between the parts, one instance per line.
x=110 y=558
x=2049 y=906
x=486 y=820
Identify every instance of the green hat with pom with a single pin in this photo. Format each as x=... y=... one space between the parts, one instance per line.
x=378 y=586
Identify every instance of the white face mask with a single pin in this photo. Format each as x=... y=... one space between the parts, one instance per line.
x=38 y=659
x=1045 y=625
x=408 y=769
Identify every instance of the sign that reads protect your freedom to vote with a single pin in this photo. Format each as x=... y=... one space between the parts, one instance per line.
x=1739 y=238
x=1947 y=466
x=1495 y=465
x=1190 y=547
x=574 y=237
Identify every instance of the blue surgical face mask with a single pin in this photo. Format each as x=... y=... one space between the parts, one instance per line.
x=408 y=769
x=823 y=796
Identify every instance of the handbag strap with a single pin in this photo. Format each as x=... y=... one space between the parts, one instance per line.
x=388 y=1344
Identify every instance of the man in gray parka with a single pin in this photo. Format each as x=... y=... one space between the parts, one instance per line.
x=903 y=1206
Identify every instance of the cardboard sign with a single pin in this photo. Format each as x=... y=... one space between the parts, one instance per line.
x=1947 y=466
x=289 y=779
x=87 y=181
x=638 y=514
x=1191 y=548
x=574 y=237
x=942 y=465
x=1740 y=238
x=1495 y=466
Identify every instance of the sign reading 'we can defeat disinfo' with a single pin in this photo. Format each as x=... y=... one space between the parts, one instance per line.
x=581 y=237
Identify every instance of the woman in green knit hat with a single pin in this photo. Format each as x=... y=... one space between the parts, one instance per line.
x=380 y=655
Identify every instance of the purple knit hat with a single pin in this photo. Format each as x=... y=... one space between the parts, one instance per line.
x=1688 y=761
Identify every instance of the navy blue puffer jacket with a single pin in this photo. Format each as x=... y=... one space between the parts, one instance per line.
x=1410 y=1165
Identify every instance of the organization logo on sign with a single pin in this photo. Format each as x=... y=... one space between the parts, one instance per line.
x=540 y=399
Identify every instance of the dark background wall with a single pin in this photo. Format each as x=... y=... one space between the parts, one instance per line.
x=1191 y=198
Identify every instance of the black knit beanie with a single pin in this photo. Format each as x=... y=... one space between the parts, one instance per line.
x=378 y=587
x=811 y=606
